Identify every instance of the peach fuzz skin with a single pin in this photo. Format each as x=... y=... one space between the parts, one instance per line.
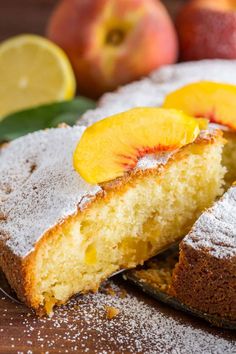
x=207 y=29
x=113 y=42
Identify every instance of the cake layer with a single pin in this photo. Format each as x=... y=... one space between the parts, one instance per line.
x=61 y=236
x=205 y=277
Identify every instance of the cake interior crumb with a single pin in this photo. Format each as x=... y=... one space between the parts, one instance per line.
x=111 y=312
x=157 y=272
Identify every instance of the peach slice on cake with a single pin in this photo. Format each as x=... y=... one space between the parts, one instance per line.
x=113 y=146
x=211 y=100
x=217 y=102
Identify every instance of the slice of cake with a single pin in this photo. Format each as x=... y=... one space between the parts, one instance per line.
x=60 y=235
x=205 y=277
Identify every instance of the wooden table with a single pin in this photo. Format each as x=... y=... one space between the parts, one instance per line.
x=24 y=16
x=142 y=326
x=31 y=16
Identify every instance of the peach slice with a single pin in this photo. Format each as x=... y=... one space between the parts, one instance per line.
x=113 y=146
x=211 y=100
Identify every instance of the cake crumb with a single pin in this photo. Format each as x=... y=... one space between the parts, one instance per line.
x=62 y=125
x=76 y=307
x=123 y=293
x=111 y=312
x=110 y=291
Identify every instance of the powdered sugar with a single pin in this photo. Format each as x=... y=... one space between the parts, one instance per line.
x=215 y=230
x=140 y=327
x=151 y=91
x=153 y=161
x=38 y=186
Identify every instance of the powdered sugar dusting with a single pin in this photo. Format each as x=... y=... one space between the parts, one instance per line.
x=214 y=126
x=140 y=327
x=215 y=230
x=153 y=161
x=151 y=91
x=38 y=186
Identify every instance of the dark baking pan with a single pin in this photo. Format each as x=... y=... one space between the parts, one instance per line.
x=167 y=260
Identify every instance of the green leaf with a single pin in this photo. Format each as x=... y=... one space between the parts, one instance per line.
x=41 y=117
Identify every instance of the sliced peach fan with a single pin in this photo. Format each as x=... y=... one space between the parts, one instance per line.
x=211 y=100
x=112 y=146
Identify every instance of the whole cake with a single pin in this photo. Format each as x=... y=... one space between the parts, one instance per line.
x=60 y=235
x=205 y=276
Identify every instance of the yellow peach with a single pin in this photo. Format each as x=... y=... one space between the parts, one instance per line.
x=207 y=29
x=112 y=42
x=113 y=146
x=211 y=100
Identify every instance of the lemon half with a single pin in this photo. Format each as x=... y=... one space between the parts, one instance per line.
x=33 y=71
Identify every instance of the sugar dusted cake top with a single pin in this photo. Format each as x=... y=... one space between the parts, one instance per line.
x=215 y=230
x=152 y=90
x=38 y=185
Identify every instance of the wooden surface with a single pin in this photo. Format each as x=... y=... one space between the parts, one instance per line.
x=24 y=16
x=83 y=327
x=31 y=16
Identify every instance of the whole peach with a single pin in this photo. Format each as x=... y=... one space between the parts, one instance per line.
x=112 y=42
x=207 y=29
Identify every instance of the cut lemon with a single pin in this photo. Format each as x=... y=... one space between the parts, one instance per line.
x=33 y=71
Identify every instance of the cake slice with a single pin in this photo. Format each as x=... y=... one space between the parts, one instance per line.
x=205 y=277
x=60 y=235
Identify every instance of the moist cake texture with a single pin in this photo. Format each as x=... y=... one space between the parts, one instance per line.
x=205 y=277
x=60 y=236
